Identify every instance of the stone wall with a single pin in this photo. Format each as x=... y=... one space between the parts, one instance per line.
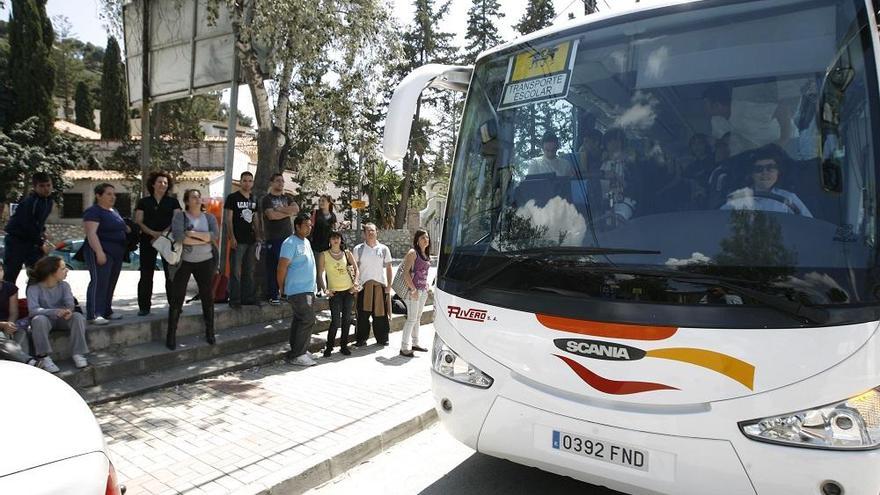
x=399 y=241
x=59 y=232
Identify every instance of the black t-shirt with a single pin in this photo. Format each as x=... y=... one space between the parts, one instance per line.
x=157 y=216
x=276 y=229
x=243 y=212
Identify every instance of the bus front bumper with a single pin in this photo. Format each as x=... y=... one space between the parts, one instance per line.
x=638 y=462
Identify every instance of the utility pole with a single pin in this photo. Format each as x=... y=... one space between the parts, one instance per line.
x=590 y=7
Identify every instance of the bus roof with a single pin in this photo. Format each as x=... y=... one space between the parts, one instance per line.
x=582 y=22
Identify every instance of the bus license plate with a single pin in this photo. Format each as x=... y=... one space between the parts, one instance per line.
x=615 y=453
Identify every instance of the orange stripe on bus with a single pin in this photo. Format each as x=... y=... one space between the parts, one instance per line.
x=611 y=330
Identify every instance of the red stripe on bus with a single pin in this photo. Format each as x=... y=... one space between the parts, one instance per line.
x=611 y=386
x=610 y=330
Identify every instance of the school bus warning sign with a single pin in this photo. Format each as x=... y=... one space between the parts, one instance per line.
x=538 y=74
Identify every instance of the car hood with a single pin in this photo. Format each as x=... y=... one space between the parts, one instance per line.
x=46 y=420
x=649 y=364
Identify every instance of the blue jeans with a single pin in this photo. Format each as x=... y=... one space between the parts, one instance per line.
x=241 y=275
x=340 y=314
x=273 y=253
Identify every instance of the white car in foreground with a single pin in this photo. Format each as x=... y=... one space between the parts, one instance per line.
x=50 y=443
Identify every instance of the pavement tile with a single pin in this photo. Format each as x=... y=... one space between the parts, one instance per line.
x=221 y=434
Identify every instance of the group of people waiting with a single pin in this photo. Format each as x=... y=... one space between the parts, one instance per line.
x=304 y=256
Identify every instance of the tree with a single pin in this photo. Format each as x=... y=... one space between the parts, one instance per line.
x=114 y=102
x=30 y=65
x=67 y=66
x=539 y=14
x=481 y=32
x=23 y=152
x=423 y=43
x=85 y=114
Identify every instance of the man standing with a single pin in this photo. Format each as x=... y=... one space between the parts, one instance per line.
x=26 y=231
x=242 y=227
x=374 y=262
x=296 y=275
x=277 y=208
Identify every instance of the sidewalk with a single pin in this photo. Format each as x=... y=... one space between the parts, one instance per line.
x=271 y=429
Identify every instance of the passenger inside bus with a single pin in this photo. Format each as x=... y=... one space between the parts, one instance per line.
x=548 y=162
x=761 y=193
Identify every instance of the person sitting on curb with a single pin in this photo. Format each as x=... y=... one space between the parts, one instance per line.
x=51 y=307
x=13 y=339
x=296 y=278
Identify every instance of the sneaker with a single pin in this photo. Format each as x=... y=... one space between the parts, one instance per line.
x=47 y=364
x=304 y=360
x=33 y=362
x=99 y=321
x=275 y=302
x=143 y=312
x=327 y=352
x=80 y=361
x=345 y=351
x=114 y=317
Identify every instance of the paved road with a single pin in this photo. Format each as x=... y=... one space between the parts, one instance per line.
x=433 y=463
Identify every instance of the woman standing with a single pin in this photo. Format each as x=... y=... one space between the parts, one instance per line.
x=153 y=215
x=103 y=251
x=323 y=223
x=198 y=233
x=416 y=264
x=51 y=307
x=341 y=287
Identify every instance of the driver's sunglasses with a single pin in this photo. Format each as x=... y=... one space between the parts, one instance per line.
x=764 y=168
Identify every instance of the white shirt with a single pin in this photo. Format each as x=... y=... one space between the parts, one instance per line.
x=371 y=261
x=745 y=199
x=544 y=165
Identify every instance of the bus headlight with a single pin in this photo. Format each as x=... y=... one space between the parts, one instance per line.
x=445 y=362
x=852 y=424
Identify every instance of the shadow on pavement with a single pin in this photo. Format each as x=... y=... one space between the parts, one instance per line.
x=489 y=475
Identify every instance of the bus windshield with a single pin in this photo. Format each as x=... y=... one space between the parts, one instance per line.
x=672 y=156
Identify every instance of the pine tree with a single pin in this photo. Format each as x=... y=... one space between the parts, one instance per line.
x=114 y=102
x=85 y=115
x=481 y=31
x=30 y=65
x=539 y=14
x=423 y=43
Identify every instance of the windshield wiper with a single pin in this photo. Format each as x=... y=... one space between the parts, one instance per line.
x=782 y=304
x=520 y=255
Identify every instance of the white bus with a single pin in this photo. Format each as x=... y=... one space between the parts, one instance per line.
x=659 y=267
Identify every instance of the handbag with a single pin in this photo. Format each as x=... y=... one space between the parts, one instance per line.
x=168 y=248
x=398 y=305
x=398 y=284
x=349 y=267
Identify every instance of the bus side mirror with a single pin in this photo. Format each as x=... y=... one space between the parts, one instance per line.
x=402 y=107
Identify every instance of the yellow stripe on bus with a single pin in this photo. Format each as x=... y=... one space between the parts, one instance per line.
x=732 y=367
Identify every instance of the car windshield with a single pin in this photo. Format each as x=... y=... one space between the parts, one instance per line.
x=734 y=140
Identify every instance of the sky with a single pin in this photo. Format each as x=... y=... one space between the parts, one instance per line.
x=83 y=16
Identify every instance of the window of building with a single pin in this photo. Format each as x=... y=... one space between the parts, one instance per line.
x=123 y=204
x=72 y=205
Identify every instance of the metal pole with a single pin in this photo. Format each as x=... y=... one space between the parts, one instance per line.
x=230 y=152
x=145 y=95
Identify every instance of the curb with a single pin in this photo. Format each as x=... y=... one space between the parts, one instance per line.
x=300 y=479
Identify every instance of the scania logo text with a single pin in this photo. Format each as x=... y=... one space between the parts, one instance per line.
x=471 y=314
x=596 y=349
